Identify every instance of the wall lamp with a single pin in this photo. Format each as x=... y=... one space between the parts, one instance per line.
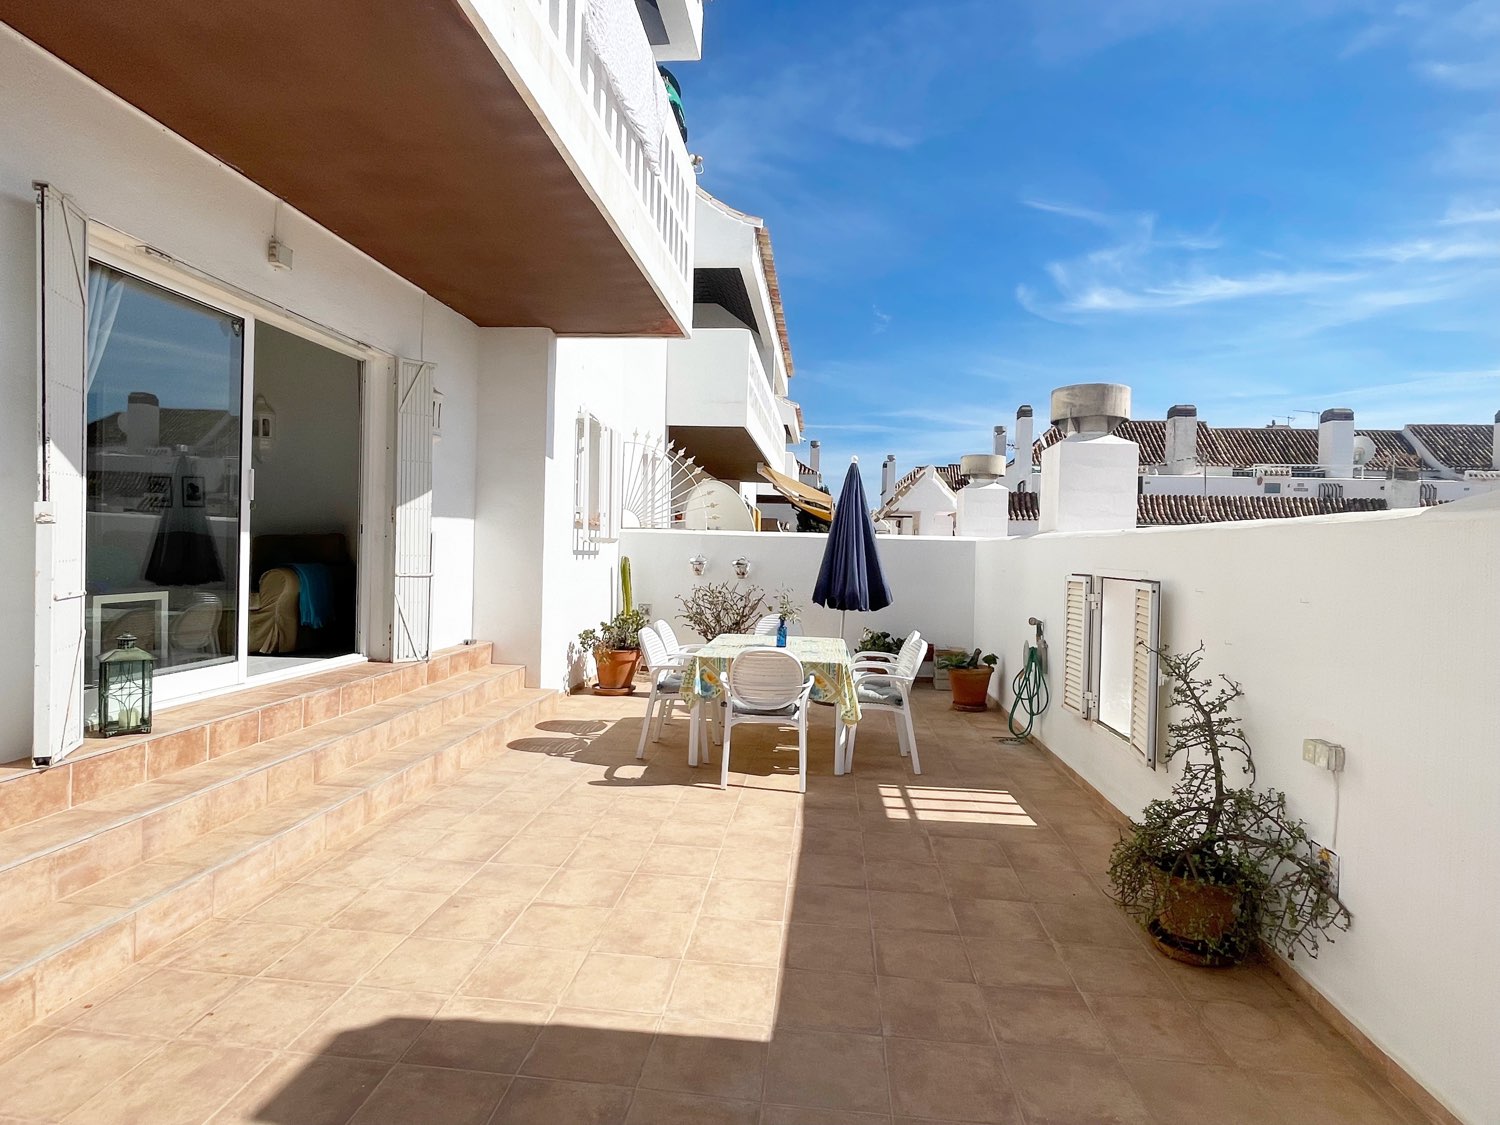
x=697 y=562
x=742 y=566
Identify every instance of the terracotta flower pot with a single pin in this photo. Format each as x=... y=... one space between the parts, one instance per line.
x=1197 y=919
x=970 y=688
x=616 y=668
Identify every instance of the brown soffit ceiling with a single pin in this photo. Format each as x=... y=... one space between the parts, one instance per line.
x=391 y=124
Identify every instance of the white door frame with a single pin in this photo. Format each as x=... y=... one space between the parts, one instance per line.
x=375 y=559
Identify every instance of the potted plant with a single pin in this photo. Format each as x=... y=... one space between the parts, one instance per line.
x=787 y=611
x=714 y=608
x=969 y=677
x=871 y=641
x=1215 y=868
x=616 y=646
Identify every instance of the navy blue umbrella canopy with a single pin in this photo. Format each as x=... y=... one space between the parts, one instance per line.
x=850 y=577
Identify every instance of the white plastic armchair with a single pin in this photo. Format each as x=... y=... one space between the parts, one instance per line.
x=886 y=686
x=669 y=638
x=768 y=685
x=667 y=670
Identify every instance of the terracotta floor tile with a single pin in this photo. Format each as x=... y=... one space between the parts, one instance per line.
x=902 y=953
x=370 y=1023
x=163 y=1004
x=512 y=882
x=239 y=948
x=998 y=920
x=714 y=1060
x=265 y=1013
x=724 y=993
x=1058 y=886
x=672 y=894
x=741 y=898
x=744 y=862
x=1088 y=923
x=981 y=881
x=433 y=875
x=333 y=956
x=471 y=1033
x=802 y=1115
x=830 y=948
x=949 y=1011
x=534 y=1101
x=648 y=933
x=534 y=974
x=471 y=918
x=1274 y=1038
x=960 y=850
x=906 y=910
x=180 y=1086
x=730 y=941
x=1327 y=1099
x=677 y=859
x=830 y=870
x=620 y=982
x=831 y=906
x=1150 y=1028
x=1073 y=1088
x=651 y=1107
x=587 y=1046
x=388 y=911
x=1031 y=1017
x=828 y=1070
x=949 y=1081
x=57 y=1075
x=824 y=1001
x=558 y=927
x=1178 y=1093
x=584 y=887
x=540 y=851
x=1106 y=971
x=1024 y=964
x=307 y=1089
x=303 y=904
x=426 y=965
x=415 y=1093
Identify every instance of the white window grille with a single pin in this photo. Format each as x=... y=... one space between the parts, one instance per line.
x=596 y=483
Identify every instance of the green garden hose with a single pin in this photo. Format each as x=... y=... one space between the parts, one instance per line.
x=1030 y=691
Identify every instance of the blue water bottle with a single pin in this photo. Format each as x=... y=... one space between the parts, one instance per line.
x=781 y=634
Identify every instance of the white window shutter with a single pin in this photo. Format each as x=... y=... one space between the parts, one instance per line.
x=412 y=515
x=1078 y=647
x=1145 y=691
x=62 y=279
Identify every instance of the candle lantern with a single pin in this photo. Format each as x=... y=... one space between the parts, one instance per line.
x=125 y=689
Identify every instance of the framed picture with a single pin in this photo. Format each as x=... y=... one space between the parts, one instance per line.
x=143 y=615
x=193 y=492
x=158 y=494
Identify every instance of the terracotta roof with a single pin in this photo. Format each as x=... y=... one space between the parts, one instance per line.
x=953 y=476
x=905 y=485
x=1243 y=447
x=1458 y=447
x=1164 y=510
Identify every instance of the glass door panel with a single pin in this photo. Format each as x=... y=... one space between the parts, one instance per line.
x=164 y=409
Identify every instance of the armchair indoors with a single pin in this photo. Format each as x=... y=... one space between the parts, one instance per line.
x=302 y=590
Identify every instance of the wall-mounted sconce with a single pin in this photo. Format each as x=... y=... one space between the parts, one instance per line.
x=742 y=566
x=263 y=428
x=697 y=562
x=279 y=254
x=437 y=414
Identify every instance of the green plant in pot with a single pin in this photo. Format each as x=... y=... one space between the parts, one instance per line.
x=616 y=643
x=1217 y=868
x=969 y=678
x=872 y=641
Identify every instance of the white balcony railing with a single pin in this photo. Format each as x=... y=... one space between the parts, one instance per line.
x=667 y=193
x=716 y=380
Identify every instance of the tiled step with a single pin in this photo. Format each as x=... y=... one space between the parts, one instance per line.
x=52 y=955
x=198 y=732
x=57 y=856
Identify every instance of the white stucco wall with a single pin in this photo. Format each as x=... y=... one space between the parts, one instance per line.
x=129 y=173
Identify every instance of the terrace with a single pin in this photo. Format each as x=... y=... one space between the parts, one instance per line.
x=559 y=933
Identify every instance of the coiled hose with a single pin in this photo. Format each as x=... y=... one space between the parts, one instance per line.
x=1030 y=690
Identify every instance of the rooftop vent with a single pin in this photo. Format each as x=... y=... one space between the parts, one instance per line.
x=1090 y=408
x=982 y=468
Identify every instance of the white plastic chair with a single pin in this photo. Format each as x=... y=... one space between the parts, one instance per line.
x=885 y=685
x=767 y=685
x=667 y=670
x=668 y=637
x=767 y=626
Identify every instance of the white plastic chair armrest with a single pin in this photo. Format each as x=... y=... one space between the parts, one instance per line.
x=872 y=654
x=869 y=666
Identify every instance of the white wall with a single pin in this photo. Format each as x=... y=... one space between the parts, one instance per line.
x=309 y=481
x=931 y=579
x=131 y=174
x=1376 y=632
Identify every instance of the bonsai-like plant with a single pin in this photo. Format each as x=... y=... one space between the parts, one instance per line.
x=1216 y=867
x=968 y=660
x=787 y=609
x=620 y=633
x=714 y=608
x=871 y=641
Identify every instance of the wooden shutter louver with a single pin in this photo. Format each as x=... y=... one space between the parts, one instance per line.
x=412 y=632
x=62 y=333
x=1077 y=657
x=1145 y=701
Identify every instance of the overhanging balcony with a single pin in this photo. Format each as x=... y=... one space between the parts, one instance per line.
x=719 y=403
x=479 y=148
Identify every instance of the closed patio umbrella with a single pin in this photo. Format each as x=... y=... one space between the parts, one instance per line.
x=850 y=577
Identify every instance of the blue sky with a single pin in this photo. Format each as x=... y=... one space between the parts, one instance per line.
x=1255 y=206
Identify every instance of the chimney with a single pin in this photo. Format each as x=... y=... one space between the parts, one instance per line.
x=1090 y=479
x=814 y=454
x=999 y=441
x=1495 y=454
x=1023 y=444
x=887 y=476
x=1336 y=442
x=1181 y=454
x=984 y=503
x=142 y=421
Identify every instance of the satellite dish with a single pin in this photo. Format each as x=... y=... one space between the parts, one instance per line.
x=1364 y=450
x=713 y=506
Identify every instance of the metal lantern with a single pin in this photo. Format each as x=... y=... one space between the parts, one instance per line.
x=125 y=689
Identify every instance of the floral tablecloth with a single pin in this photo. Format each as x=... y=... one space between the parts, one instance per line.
x=826 y=659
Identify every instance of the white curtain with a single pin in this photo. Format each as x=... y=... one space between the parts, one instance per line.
x=615 y=34
x=105 y=289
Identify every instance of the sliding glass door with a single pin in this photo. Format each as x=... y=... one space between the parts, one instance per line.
x=164 y=455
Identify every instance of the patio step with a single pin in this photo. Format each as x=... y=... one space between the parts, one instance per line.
x=55 y=952
x=188 y=735
x=50 y=859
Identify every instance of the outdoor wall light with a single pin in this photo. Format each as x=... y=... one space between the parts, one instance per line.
x=697 y=562
x=263 y=427
x=741 y=566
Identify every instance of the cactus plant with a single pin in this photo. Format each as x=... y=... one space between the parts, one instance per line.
x=627 y=593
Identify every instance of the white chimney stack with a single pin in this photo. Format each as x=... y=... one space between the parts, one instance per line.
x=999 y=441
x=814 y=455
x=142 y=421
x=1090 y=479
x=887 y=476
x=1181 y=455
x=1495 y=455
x=1023 y=444
x=1336 y=442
